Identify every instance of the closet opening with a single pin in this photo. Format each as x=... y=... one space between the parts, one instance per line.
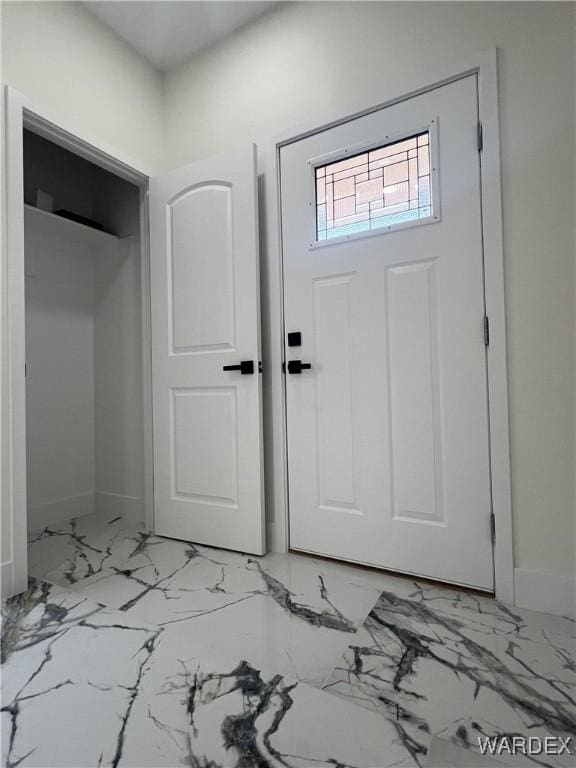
x=86 y=373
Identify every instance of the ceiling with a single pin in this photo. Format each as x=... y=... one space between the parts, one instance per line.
x=169 y=32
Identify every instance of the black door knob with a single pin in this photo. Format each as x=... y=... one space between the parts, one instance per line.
x=245 y=367
x=297 y=366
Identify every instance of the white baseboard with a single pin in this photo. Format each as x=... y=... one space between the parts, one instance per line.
x=131 y=508
x=6 y=579
x=60 y=511
x=545 y=592
x=101 y=502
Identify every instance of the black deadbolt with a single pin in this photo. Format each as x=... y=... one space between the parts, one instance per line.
x=294 y=339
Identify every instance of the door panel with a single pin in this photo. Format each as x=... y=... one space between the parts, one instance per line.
x=388 y=431
x=205 y=470
x=336 y=465
x=413 y=370
x=201 y=257
x=205 y=317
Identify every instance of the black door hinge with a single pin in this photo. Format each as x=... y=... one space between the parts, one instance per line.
x=486 y=330
x=480 y=137
x=492 y=527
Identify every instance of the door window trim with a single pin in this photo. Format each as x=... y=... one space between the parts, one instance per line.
x=431 y=127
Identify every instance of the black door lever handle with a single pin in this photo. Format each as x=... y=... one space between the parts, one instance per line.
x=297 y=366
x=245 y=367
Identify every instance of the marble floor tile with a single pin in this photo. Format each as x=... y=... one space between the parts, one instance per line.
x=444 y=754
x=68 y=552
x=70 y=672
x=85 y=685
x=205 y=710
x=292 y=611
x=506 y=619
x=460 y=675
x=150 y=652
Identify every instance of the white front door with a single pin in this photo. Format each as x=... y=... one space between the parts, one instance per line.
x=388 y=429
x=206 y=352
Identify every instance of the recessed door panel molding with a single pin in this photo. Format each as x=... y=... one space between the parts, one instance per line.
x=205 y=326
x=205 y=468
x=414 y=392
x=396 y=473
x=200 y=246
x=333 y=345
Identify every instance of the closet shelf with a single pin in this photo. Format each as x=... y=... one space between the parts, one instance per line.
x=50 y=222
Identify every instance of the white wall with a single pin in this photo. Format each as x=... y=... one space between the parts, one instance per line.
x=75 y=70
x=84 y=373
x=59 y=373
x=5 y=517
x=73 y=67
x=309 y=59
x=118 y=353
x=98 y=443
x=118 y=382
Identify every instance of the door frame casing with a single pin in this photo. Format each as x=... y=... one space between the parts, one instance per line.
x=20 y=113
x=484 y=65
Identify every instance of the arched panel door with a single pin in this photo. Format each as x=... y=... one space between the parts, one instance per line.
x=206 y=353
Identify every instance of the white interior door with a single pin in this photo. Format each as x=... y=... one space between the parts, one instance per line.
x=206 y=353
x=388 y=429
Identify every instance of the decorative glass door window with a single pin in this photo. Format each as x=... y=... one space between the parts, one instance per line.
x=378 y=188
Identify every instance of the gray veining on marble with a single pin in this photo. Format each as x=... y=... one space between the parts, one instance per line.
x=66 y=553
x=204 y=710
x=85 y=685
x=460 y=674
x=293 y=611
x=71 y=671
x=137 y=651
x=444 y=754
